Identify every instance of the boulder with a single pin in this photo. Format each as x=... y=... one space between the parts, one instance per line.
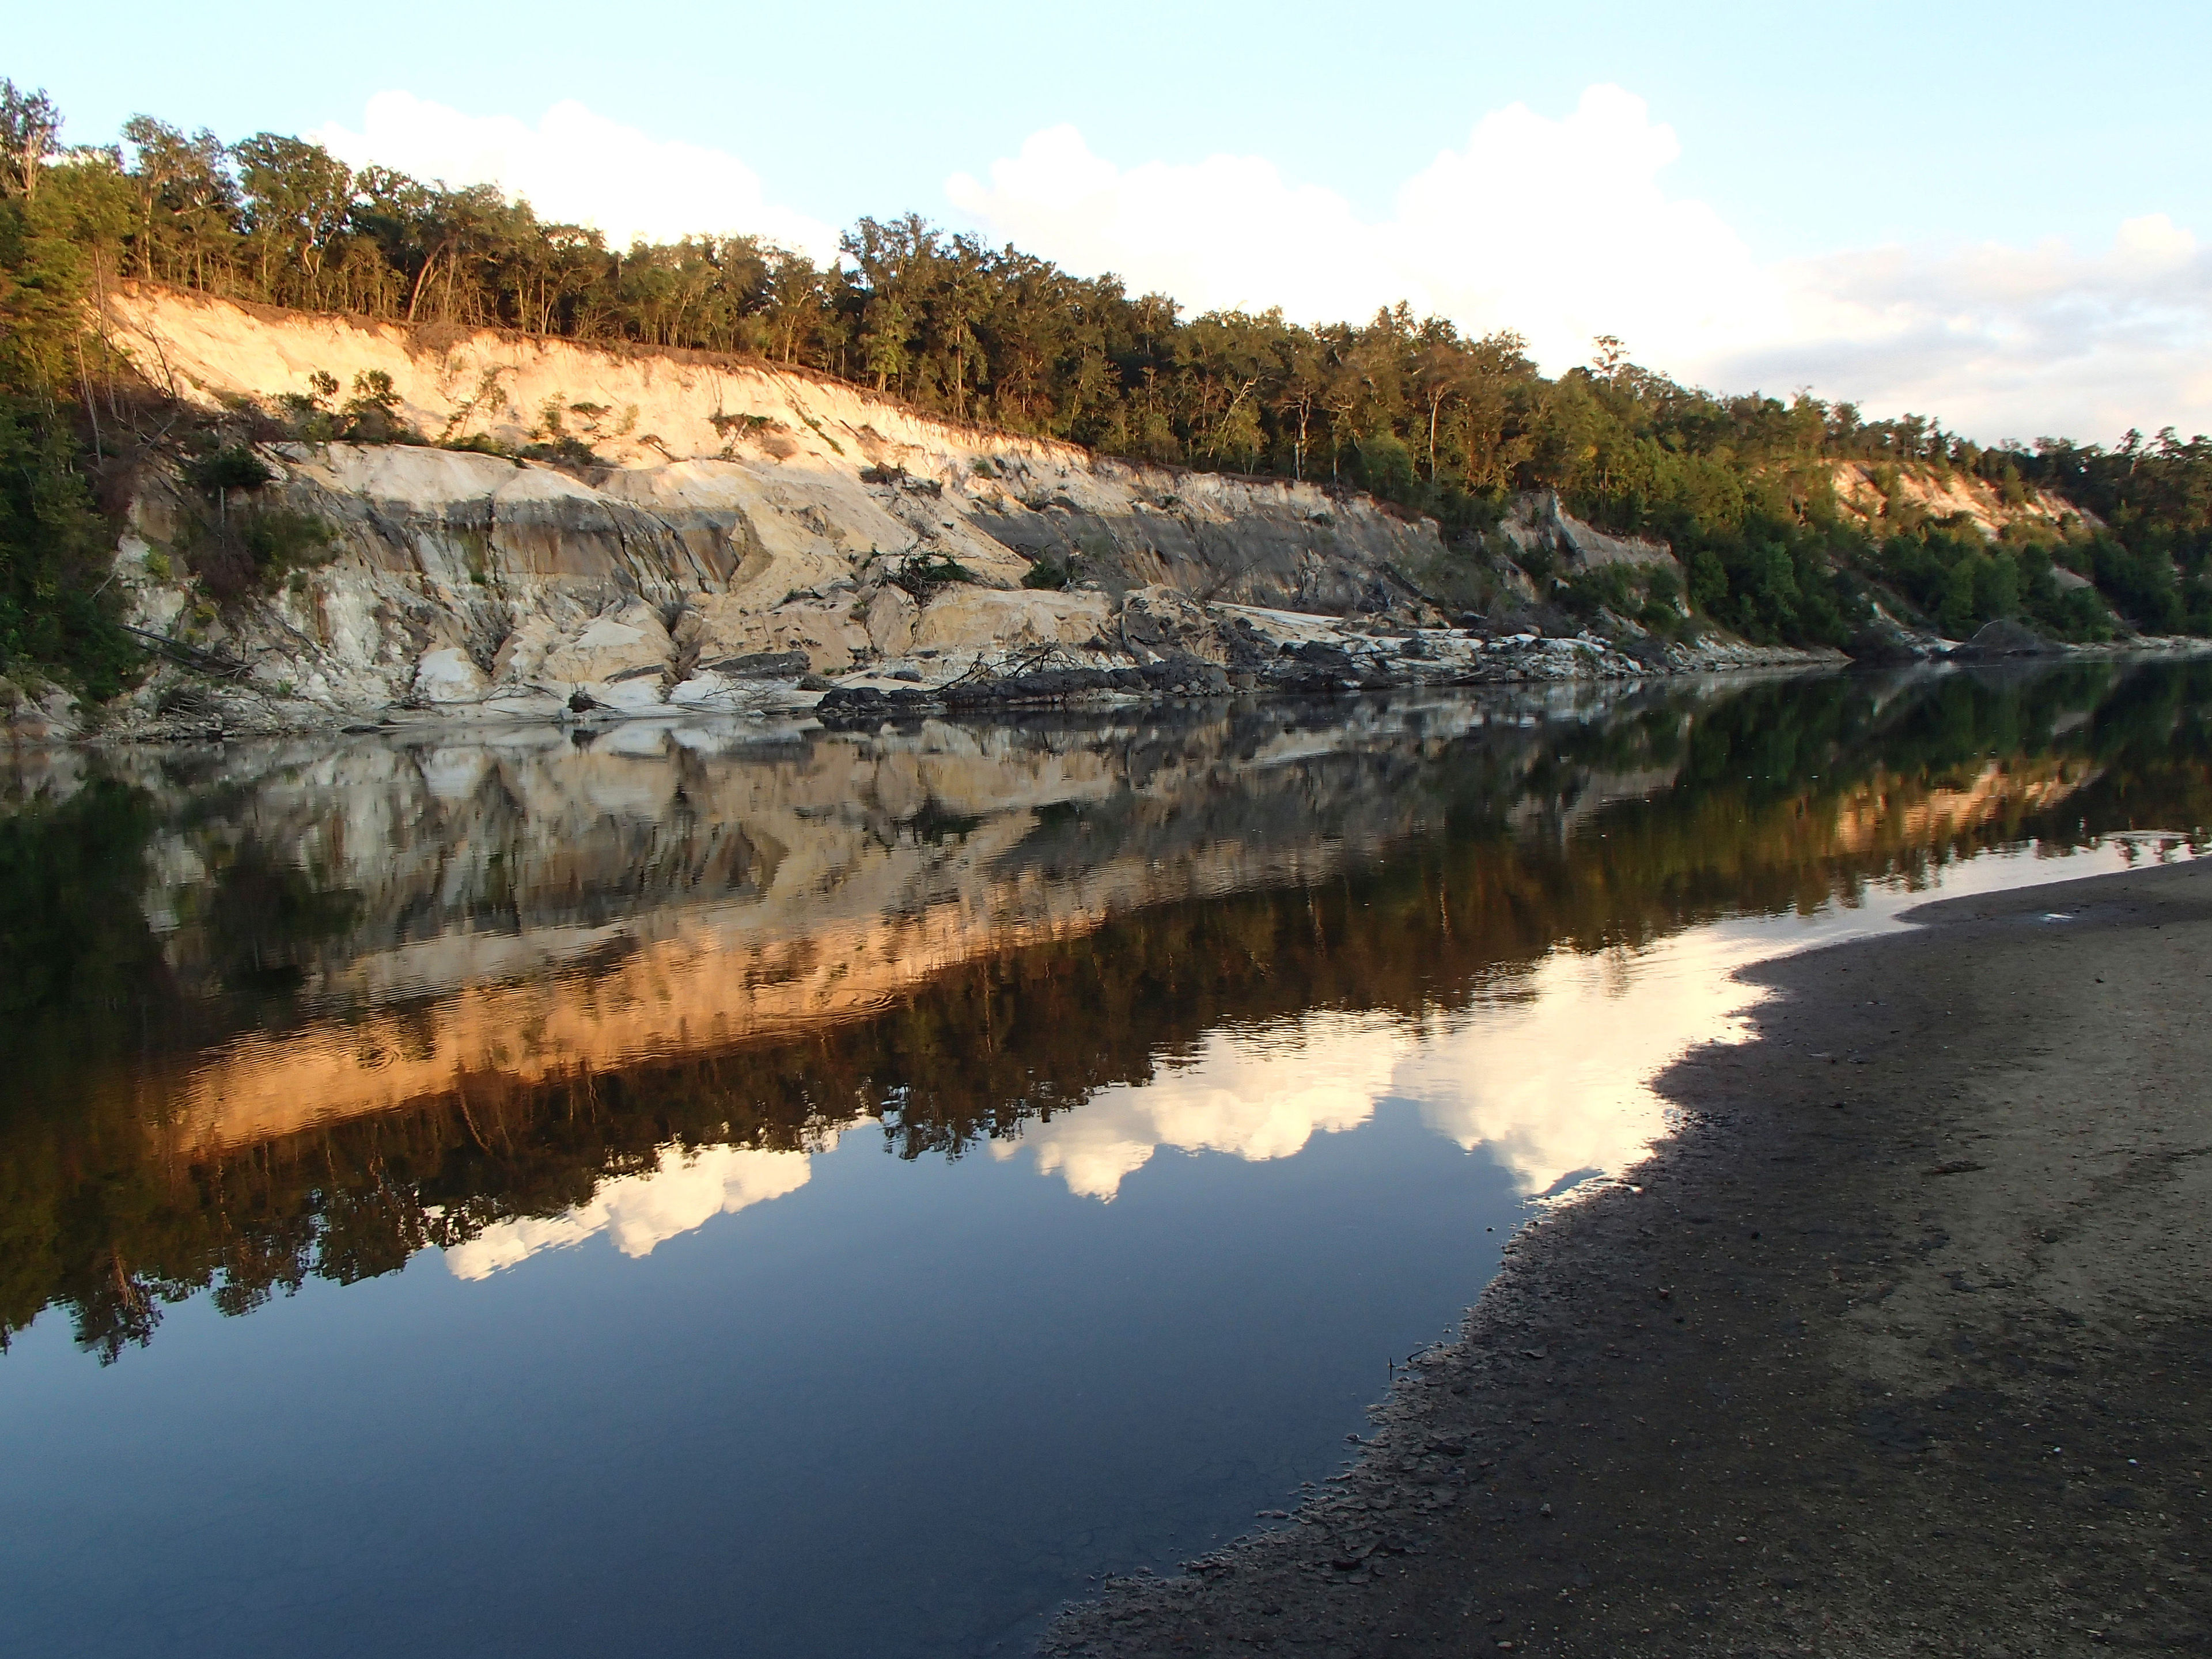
x=892 y=616
x=1161 y=621
x=1883 y=645
x=446 y=674
x=2003 y=638
x=983 y=618
x=721 y=626
x=620 y=639
x=48 y=714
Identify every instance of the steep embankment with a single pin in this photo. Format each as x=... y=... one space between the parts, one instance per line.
x=707 y=534
x=1872 y=494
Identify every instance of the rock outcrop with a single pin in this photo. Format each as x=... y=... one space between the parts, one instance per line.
x=1542 y=528
x=1873 y=493
x=1994 y=641
x=632 y=533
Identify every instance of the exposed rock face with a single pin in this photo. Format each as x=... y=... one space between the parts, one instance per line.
x=1870 y=492
x=737 y=530
x=2002 y=638
x=1539 y=525
x=48 y=715
x=977 y=619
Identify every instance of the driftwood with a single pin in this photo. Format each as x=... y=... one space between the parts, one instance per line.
x=191 y=656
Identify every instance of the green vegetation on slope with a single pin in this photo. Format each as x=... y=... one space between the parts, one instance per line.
x=1402 y=406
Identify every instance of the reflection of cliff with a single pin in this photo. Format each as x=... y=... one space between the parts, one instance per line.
x=600 y=909
x=1870 y=817
x=977 y=936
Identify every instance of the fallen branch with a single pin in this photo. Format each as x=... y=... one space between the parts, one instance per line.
x=191 y=656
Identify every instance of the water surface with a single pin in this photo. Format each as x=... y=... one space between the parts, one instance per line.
x=705 y=1188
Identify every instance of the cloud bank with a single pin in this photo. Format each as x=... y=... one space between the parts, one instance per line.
x=1561 y=227
x=682 y=1193
x=578 y=167
x=1565 y=228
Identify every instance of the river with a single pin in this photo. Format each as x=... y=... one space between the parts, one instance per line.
x=728 y=1188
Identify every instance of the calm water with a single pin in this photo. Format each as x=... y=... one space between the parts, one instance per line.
x=704 y=1190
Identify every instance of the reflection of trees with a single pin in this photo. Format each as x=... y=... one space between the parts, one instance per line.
x=264 y=913
x=1781 y=795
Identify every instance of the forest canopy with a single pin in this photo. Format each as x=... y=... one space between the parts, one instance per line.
x=1404 y=406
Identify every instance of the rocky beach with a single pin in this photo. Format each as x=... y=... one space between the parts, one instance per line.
x=1897 y=1346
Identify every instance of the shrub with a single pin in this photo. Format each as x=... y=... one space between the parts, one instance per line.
x=251 y=550
x=921 y=575
x=234 y=466
x=58 y=611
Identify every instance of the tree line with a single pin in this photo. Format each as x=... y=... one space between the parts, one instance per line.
x=1406 y=407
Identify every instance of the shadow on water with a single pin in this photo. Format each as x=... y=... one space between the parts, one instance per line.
x=288 y=1014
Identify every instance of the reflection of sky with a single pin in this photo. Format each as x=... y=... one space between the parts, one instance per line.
x=1549 y=1079
x=688 y=1189
x=1557 y=1081
x=1548 y=1074
x=1258 y=1093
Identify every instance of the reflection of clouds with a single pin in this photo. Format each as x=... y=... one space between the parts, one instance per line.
x=1550 y=1079
x=639 y=1212
x=1258 y=1093
x=1549 y=1072
x=1557 y=1081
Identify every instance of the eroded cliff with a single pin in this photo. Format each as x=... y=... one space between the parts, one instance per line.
x=633 y=533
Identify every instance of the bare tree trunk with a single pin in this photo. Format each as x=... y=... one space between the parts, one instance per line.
x=422 y=276
x=84 y=386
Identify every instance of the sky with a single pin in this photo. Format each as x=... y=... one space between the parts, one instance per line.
x=1996 y=216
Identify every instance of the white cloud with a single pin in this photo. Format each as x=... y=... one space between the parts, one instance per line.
x=1558 y=228
x=2003 y=341
x=1259 y=1094
x=1227 y=233
x=637 y=1212
x=578 y=167
x=1565 y=229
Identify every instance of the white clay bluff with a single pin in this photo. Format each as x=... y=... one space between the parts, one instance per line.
x=565 y=533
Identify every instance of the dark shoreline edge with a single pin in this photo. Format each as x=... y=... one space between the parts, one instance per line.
x=1084 y=693
x=1898 y=1344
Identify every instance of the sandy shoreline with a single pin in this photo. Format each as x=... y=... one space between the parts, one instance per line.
x=1901 y=1347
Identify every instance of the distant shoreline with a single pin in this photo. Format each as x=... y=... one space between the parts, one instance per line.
x=1898 y=1344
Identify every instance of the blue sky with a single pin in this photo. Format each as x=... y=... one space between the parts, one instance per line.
x=1919 y=203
